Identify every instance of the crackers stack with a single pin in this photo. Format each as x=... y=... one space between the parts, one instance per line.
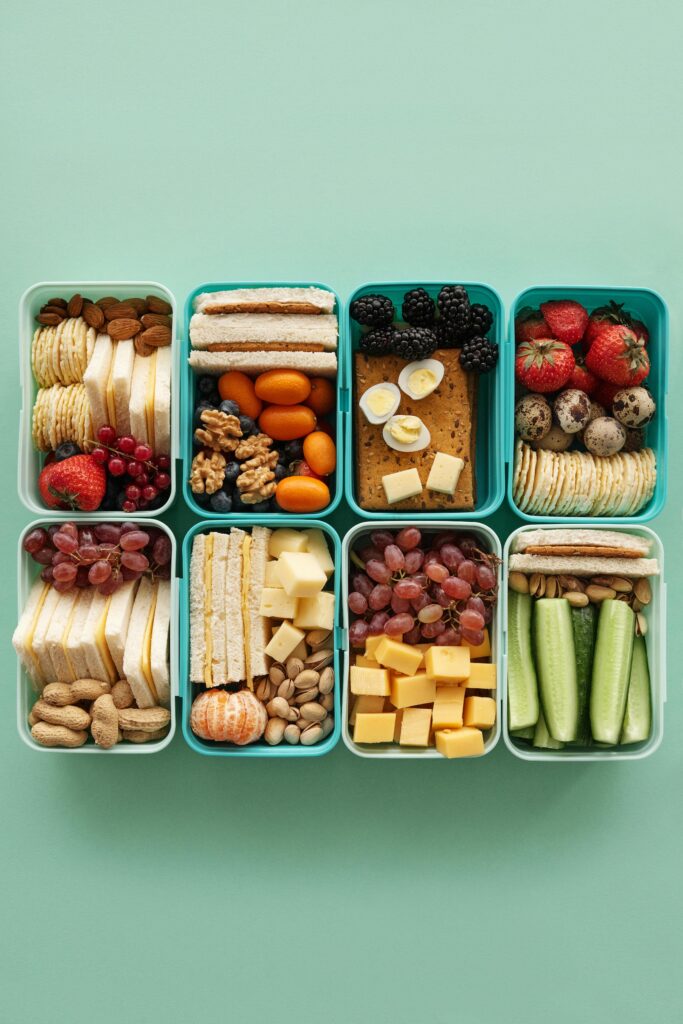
x=61 y=414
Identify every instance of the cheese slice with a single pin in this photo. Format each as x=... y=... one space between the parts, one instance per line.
x=99 y=660
x=22 y=638
x=122 y=378
x=146 y=655
x=160 y=643
x=109 y=392
x=139 y=397
x=118 y=617
x=39 y=639
x=55 y=638
x=162 y=401
x=137 y=656
x=149 y=398
x=73 y=638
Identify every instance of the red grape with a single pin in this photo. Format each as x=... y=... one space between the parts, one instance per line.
x=46 y=574
x=475 y=637
x=421 y=580
x=35 y=540
x=107 y=533
x=467 y=571
x=449 y=638
x=376 y=624
x=430 y=613
x=399 y=604
x=456 y=588
x=471 y=620
x=381 y=539
x=161 y=550
x=99 y=572
x=163 y=572
x=414 y=560
x=476 y=604
x=370 y=552
x=89 y=553
x=445 y=537
x=487 y=613
x=413 y=636
x=134 y=540
x=361 y=583
x=421 y=601
x=397 y=625
x=129 y=574
x=358 y=633
x=430 y=630
x=436 y=572
x=408 y=538
x=65 y=542
x=358 y=603
x=486 y=577
x=380 y=597
x=62 y=586
x=65 y=572
x=394 y=557
x=108 y=587
x=469 y=547
x=82 y=576
x=378 y=571
x=440 y=597
x=44 y=556
x=451 y=556
x=407 y=589
x=134 y=560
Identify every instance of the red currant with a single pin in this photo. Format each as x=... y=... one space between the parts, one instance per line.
x=135 y=468
x=143 y=453
x=117 y=467
x=132 y=492
x=149 y=493
x=162 y=481
x=129 y=506
x=126 y=444
x=163 y=462
x=142 y=479
x=99 y=455
x=106 y=434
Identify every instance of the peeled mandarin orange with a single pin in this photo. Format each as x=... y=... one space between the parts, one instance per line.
x=239 y=388
x=322 y=396
x=283 y=387
x=302 y=494
x=320 y=453
x=286 y=422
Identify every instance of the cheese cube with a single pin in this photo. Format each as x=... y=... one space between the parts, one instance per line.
x=373 y=681
x=448 y=707
x=448 y=664
x=286 y=540
x=316 y=545
x=284 y=641
x=300 y=574
x=444 y=474
x=371 y=645
x=398 y=723
x=399 y=486
x=482 y=675
x=275 y=604
x=366 y=703
x=316 y=612
x=483 y=650
x=407 y=691
x=480 y=712
x=272 y=577
x=364 y=662
x=401 y=657
x=374 y=728
x=459 y=742
x=415 y=727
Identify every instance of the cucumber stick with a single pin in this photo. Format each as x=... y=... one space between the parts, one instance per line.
x=611 y=670
x=638 y=714
x=542 y=737
x=556 y=667
x=523 y=734
x=583 y=626
x=522 y=685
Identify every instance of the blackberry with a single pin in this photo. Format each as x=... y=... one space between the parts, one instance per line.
x=478 y=355
x=414 y=343
x=481 y=320
x=454 y=306
x=378 y=342
x=445 y=335
x=372 y=310
x=418 y=308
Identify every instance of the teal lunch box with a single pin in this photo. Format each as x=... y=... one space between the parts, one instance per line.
x=647 y=306
x=188 y=691
x=187 y=396
x=489 y=468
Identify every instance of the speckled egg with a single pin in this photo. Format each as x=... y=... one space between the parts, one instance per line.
x=635 y=440
x=634 y=407
x=572 y=409
x=604 y=436
x=533 y=417
x=596 y=411
x=556 y=440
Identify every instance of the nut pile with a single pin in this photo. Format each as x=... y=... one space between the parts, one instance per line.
x=637 y=593
x=299 y=695
x=66 y=713
x=146 y=320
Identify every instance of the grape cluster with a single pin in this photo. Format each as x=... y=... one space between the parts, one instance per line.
x=143 y=475
x=443 y=592
x=105 y=555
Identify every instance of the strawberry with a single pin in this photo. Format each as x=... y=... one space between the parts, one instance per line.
x=78 y=483
x=566 y=319
x=618 y=356
x=582 y=379
x=529 y=324
x=544 y=364
x=605 y=392
x=641 y=331
x=606 y=316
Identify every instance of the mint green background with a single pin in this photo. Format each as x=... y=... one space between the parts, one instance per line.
x=510 y=143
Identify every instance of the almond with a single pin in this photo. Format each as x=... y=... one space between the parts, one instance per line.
x=155 y=320
x=61 y=313
x=121 y=311
x=57 y=302
x=139 y=304
x=157 y=305
x=123 y=329
x=156 y=336
x=49 y=319
x=75 y=305
x=93 y=315
x=106 y=302
x=141 y=348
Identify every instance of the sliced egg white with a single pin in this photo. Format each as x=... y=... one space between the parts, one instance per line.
x=422 y=441
x=432 y=366
x=364 y=402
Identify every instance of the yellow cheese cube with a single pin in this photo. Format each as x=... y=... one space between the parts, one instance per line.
x=284 y=641
x=364 y=662
x=415 y=727
x=401 y=657
x=482 y=675
x=448 y=707
x=316 y=544
x=275 y=604
x=483 y=650
x=272 y=577
x=316 y=612
x=399 y=722
x=459 y=742
x=364 y=704
x=300 y=574
x=404 y=484
x=407 y=691
x=448 y=664
x=374 y=728
x=286 y=540
x=373 y=681
x=371 y=645
x=479 y=712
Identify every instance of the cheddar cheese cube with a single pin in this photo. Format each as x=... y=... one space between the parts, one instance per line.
x=415 y=727
x=300 y=574
x=482 y=675
x=316 y=612
x=399 y=722
x=364 y=662
x=374 y=728
x=371 y=681
x=448 y=707
x=364 y=704
x=448 y=664
x=371 y=645
x=483 y=650
x=407 y=691
x=479 y=712
x=286 y=540
x=401 y=657
x=316 y=545
x=463 y=742
x=284 y=641
x=276 y=604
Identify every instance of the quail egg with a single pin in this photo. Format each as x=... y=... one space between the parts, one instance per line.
x=380 y=402
x=604 y=436
x=533 y=417
x=572 y=409
x=406 y=434
x=556 y=440
x=634 y=407
x=420 y=378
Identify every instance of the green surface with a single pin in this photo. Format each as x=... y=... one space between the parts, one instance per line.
x=514 y=144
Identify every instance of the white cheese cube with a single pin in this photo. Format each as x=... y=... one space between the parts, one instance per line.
x=272 y=577
x=275 y=604
x=285 y=640
x=317 y=546
x=300 y=574
x=404 y=484
x=286 y=540
x=316 y=612
x=444 y=474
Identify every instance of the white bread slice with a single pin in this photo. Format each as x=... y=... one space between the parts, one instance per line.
x=95 y=379
x=217 y=622
x=263 y=329
x=159 y=653
x=137 y=641
x=99 y=660
x=266 y=300
x=142 y=368
x=234 y=615
x=318 y=364
x=162 y=402
x=118 y=617
x=39 y=642
x=258 y=624
x=121 y=379
x=197 y=598
x=22 y=638
x=75 y=651
x=583 y=538
x=578 y=565
x=54 y=637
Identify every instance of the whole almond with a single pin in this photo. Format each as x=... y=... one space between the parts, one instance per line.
x=123 y=329
x=155 y=320
x=140 y=347
x=75 y=305
x=106 y=302
x=54 y=309
x=121 y=311
x=157 y=305
x=138 y=304
x=57 y=302
x=49 y=319
x=157 y=336
x=93 y=315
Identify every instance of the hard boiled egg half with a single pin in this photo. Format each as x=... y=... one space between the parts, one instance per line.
x=406 y=434
x=420 y=378
x=380 y=402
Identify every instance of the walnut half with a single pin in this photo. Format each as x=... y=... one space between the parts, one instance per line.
x=207 y=473
x=221 y=433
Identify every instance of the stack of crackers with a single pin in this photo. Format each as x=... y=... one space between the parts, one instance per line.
x=59 y=357
x=61 y=414
x=581 y=484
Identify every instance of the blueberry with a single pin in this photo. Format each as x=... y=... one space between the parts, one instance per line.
x=201 y=499
x=261 y=506
x=229 y=407
x=221 y=502
x=206 y=386
x=238 y=505
x=280 y=472
x=248 y=426
x=200 y=407
x=66 y=450
x=293 y=451
x=232 y=471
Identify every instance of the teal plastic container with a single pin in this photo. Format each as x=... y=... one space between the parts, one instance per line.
x=647 y=306
x=188 y=691
x=187 y=392
x=489 y=469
